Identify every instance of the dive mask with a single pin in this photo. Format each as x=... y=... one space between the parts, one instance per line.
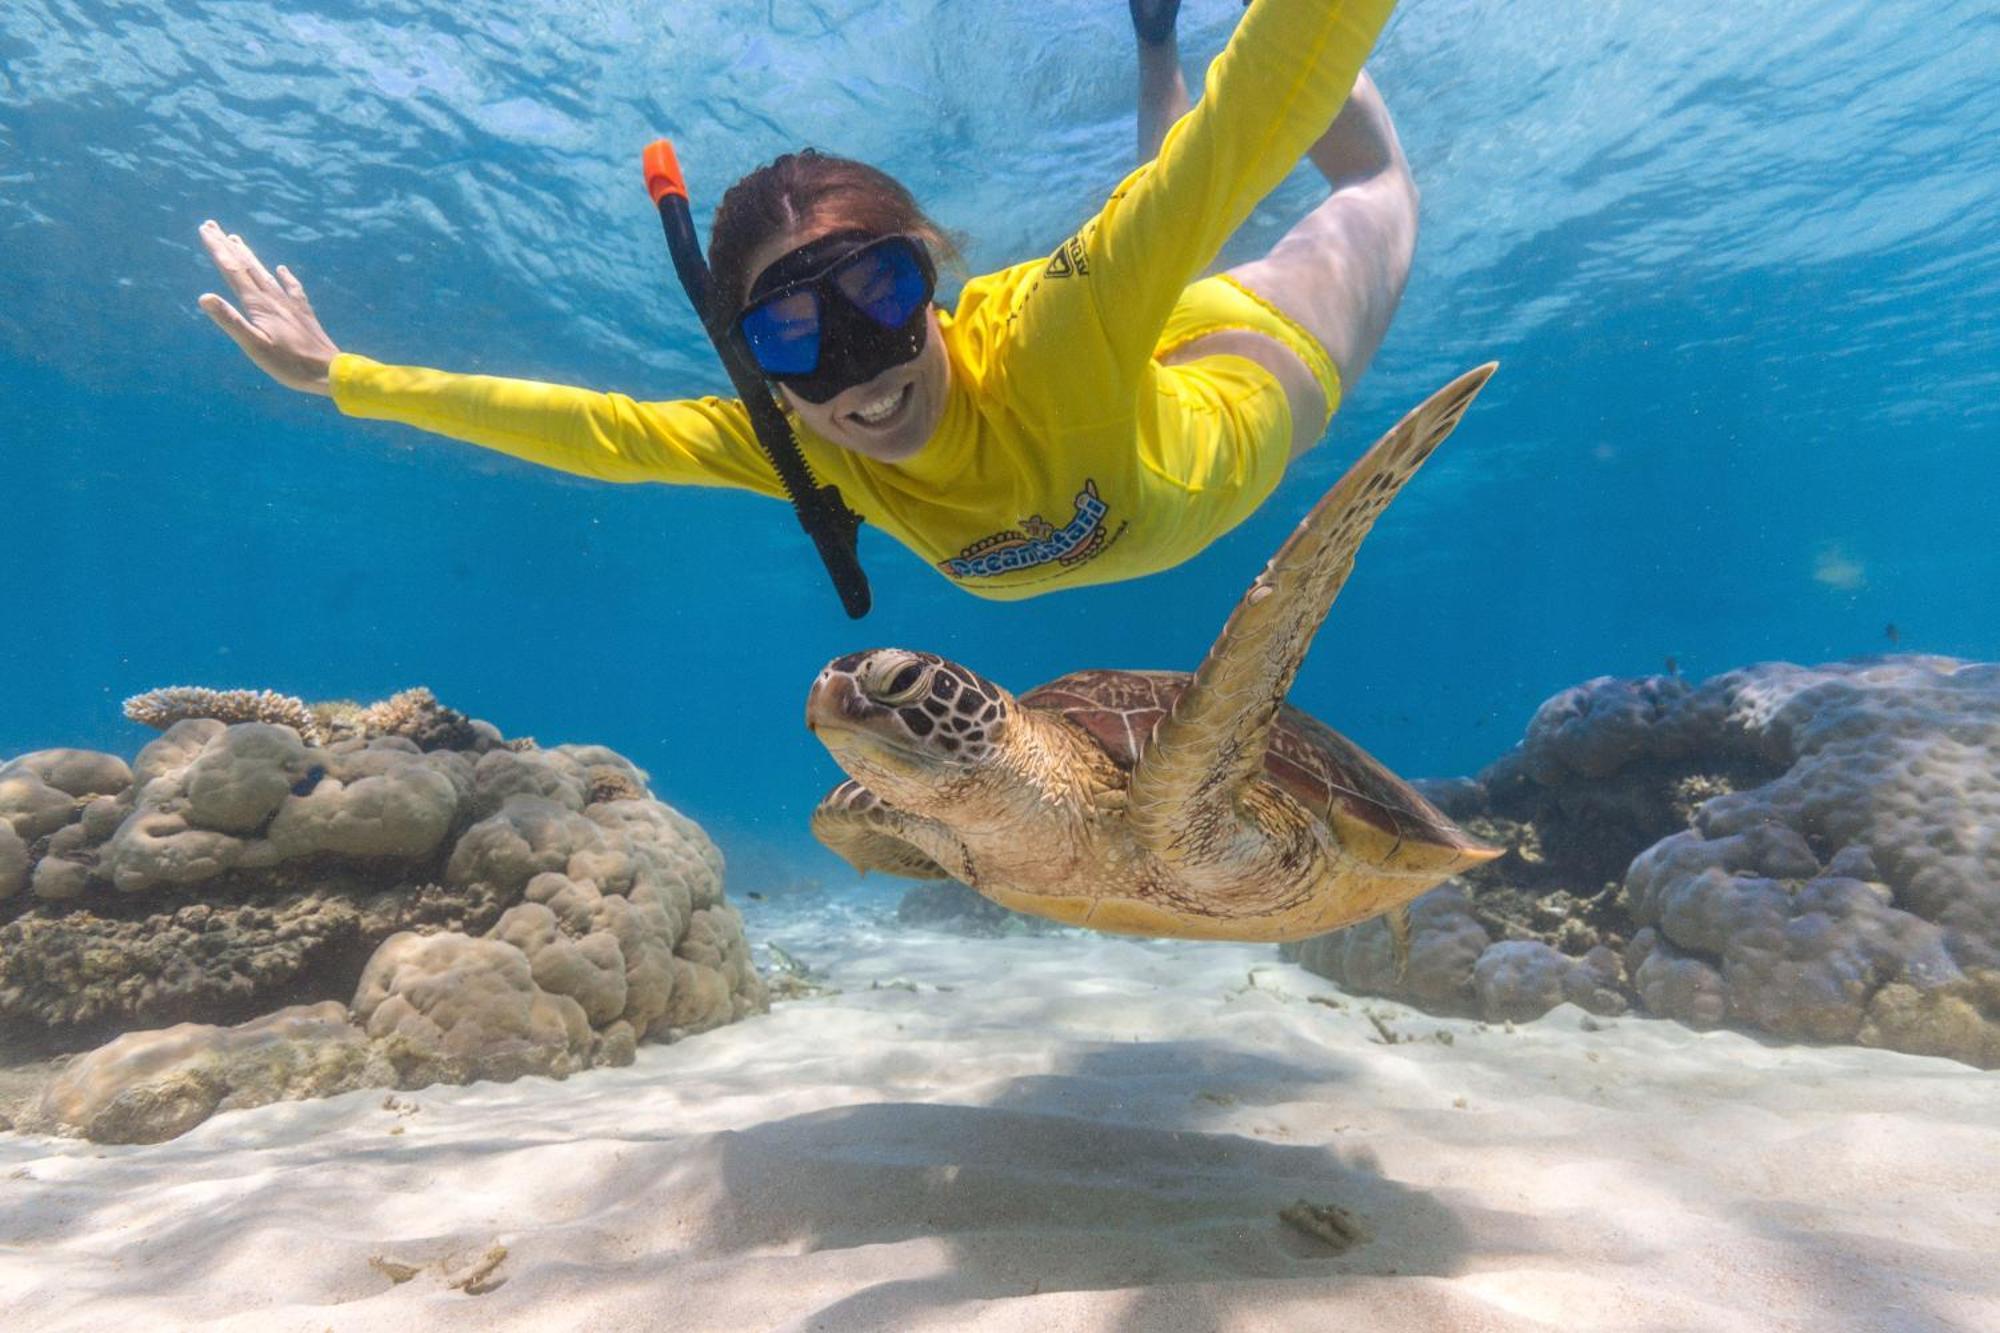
x=838 y=311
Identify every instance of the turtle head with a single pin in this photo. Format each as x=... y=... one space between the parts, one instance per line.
x=909 y=726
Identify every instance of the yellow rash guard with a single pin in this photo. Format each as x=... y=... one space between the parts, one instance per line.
x=1066 y=455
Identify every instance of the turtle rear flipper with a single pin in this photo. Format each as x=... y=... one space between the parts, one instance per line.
x=1184 y=788
x=868 y=835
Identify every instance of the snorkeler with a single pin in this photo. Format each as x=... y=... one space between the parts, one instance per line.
x=1092 y=415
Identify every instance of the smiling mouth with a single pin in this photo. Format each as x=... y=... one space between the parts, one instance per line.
x=885 y=411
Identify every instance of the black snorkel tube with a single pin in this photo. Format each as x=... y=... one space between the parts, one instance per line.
x=822 y=513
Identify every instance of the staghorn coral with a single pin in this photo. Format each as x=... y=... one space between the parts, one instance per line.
x=607 y=782
x=1812 y=855
x=416 y=714
x=162 y=708
x=339 y=720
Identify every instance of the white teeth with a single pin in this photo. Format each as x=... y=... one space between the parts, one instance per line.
x=878 y=411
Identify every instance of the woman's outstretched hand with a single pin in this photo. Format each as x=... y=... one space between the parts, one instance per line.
x=276 y=327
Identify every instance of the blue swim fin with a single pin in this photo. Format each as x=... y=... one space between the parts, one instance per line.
x=1153 y=20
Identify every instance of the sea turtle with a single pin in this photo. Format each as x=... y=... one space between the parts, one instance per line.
x=1153 y=802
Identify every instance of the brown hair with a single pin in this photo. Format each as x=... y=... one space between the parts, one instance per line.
x=801 y=187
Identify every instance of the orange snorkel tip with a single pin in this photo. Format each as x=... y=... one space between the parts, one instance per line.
x=663 y=172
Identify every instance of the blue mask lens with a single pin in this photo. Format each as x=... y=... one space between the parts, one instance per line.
x=783 y=333
x=885 y=283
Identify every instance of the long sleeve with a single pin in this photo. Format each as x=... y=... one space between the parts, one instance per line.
x=1096 y=311
x=699 y=442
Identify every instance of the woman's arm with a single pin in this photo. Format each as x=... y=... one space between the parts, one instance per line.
x=701 y=442
x=608 y=436
x=1269 y=97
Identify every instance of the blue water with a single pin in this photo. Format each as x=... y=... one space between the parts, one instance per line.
x=1740 y=264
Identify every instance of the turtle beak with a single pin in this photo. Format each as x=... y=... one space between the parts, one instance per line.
x=834 y=700
x=851 y=726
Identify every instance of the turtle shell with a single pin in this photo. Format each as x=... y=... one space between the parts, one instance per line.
x=1307 y=760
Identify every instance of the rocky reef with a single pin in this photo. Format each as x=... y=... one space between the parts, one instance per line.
x=417 y=898
x=1812 y=853
x=953 y=907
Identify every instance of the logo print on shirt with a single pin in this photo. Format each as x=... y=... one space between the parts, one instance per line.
x=1036 y=542
x=1069 y=259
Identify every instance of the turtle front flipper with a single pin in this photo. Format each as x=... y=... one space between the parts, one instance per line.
x=1184 y=788
x=868 y=835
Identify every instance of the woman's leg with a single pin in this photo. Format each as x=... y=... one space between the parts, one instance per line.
x=1339 y=273
x=1163 y=94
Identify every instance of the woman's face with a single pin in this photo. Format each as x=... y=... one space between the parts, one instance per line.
x=889 y=418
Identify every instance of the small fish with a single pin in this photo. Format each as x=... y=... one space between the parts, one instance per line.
x=1673 y=666
x=754 y=896
x=787 y=963
x=1892 y=634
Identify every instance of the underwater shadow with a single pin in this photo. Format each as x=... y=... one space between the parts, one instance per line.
x=1844 y=1274
x=1157 y=1169
x=187 y=1218
x=1110 y=1173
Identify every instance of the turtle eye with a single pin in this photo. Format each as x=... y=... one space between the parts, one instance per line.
x=905 y=685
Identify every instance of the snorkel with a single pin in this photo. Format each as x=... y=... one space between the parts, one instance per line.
x=822 y=512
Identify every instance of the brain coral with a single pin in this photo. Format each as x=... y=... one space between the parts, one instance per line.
x=450 y=1008
x=149 y=1086
x=1809 y=852
x=236 y=866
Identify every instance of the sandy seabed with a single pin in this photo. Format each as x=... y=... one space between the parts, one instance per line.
x=1067 y=1132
